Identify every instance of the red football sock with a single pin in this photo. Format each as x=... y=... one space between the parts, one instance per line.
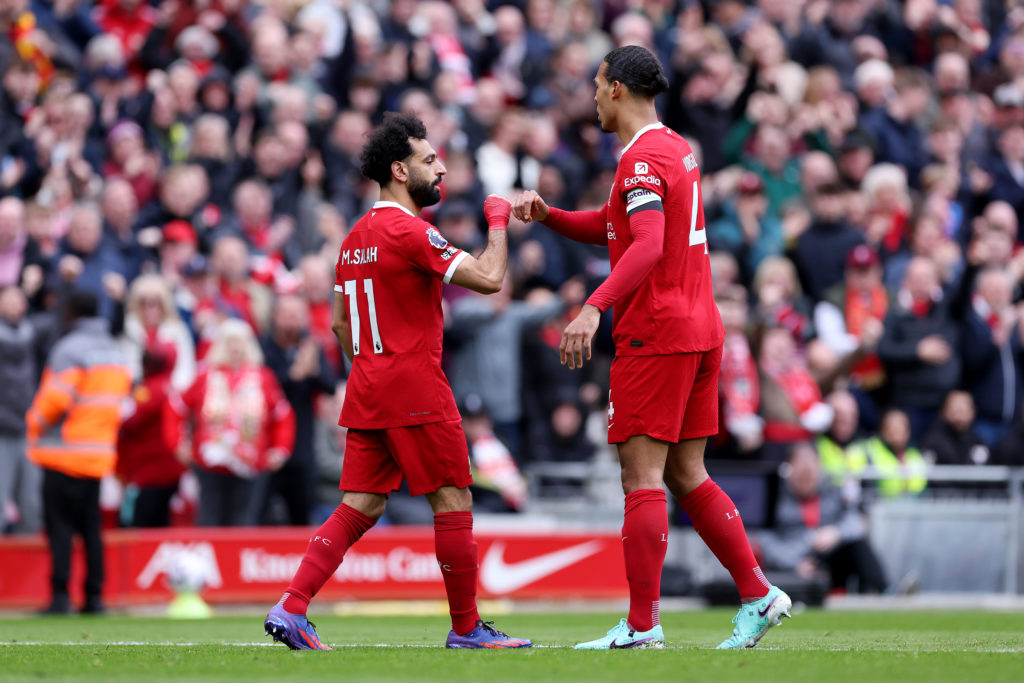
x=718 y=522
x=457 y=556
x=644 y=541
x=326 y=549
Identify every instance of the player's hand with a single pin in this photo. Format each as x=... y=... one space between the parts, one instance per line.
x=577 y=337
x=496 y=211
x=529 y=206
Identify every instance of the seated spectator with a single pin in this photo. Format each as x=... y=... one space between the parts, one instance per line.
x=497 y=484
x=919 y=346
x=900 y=467
x=993 y=368
x=148 y=442
x=241 y=428
x=885 y=187
x=840 y=447
x=952 y=440
x=817 y=530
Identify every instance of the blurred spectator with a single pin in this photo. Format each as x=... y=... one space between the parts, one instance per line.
x=817 y=530
x=241 y=428
x=234 y=294
x=72 y=436
x=329 y=452
x=920 y=346
x=849 y=319
x=487 y=359
x=952 y=440
x=780 y=300
x=821 y=250
x=152 y=323
x=302 y=371
x=1008 y=169
x=899 y=466
x=147 y=445
x=791 y=402
x=497 y=484
x=840 y=449
x=747 y=228
x=89 y=263
x=739 y=386
x=993 y=368
x=20 y=480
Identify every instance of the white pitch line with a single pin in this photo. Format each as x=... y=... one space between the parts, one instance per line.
x=399 y=646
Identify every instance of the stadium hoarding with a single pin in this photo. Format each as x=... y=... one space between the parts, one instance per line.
x=240 y=565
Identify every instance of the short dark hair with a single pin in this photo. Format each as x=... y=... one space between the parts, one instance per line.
x=81 y=303
x=389 y=142
x=637 y=69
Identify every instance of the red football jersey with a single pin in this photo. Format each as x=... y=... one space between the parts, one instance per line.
x=673 y=309
x=390 y=271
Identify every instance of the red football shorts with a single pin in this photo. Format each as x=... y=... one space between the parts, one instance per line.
x=428 y=456
x=669 y=398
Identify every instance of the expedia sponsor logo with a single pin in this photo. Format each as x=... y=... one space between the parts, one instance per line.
x=636 y=180
x=640 y=168
x=401 y=564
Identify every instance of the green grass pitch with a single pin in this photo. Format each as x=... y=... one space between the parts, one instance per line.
x=830 y=646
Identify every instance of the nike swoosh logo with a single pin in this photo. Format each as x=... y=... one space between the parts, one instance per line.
x=763 y=612
x=500 y=577
x=625 y=646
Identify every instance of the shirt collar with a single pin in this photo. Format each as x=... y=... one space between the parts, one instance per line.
x=649 y=126
x=392 y=205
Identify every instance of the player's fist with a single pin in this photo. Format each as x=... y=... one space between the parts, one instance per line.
x=529 y=206
x=496 y=211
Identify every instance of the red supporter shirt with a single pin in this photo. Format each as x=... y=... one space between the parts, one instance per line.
x=673 y=310
x=390 y=271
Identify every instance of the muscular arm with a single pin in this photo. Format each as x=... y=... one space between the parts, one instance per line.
x=339 y=324
x=648 y=228
x=486 y=273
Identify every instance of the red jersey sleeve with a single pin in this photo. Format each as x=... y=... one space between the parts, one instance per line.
x=428 y=250
x=643 y=185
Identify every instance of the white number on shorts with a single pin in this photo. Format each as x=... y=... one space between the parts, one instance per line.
x=351 y=292
x=697 y=236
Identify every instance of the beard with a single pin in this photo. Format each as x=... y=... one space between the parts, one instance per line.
x=423 y=191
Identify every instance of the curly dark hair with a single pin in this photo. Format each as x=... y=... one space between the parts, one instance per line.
x=637 y=69
x=389 y=142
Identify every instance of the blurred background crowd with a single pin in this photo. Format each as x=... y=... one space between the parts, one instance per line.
x=194 y=164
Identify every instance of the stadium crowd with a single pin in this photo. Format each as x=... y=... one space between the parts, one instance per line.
x=195 y=165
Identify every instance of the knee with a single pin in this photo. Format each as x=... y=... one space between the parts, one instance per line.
x=638 y=478
x=685 y=477
x=370 y=504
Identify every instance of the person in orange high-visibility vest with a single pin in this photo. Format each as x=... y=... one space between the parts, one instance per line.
x=72 y=430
